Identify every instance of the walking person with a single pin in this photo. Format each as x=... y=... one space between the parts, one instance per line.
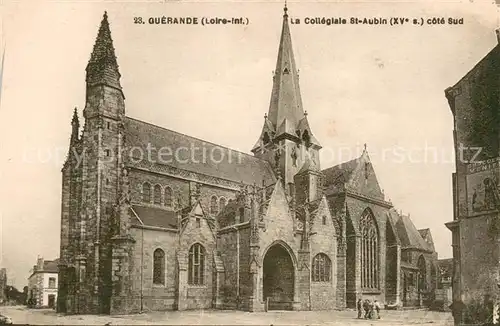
x=377 y=307
x=359 y=306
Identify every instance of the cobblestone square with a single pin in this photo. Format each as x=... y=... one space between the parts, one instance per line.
x=22 y=315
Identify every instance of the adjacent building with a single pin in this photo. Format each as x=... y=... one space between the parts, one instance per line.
x=42 y=284
x=268 y=230
x=474 y=101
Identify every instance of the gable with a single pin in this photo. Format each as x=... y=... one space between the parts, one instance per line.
x=364 y=180
x=196 y=227
x=330 y=226
x=277 y=215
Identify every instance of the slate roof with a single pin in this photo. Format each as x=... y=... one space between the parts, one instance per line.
x=427 y=236
x=234 y=166
x=340 y=173
x=409 y=235
x=424 y=232
x=51 y=266
x=154 y=216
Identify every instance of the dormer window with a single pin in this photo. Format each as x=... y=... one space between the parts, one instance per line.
x=286 y=71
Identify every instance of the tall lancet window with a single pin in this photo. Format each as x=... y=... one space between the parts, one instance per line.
x=158 y=267
x=196 y=265
x=222 y=204
x=146 y=192
x=157 y=195
x=214 y=208
x=369 y=251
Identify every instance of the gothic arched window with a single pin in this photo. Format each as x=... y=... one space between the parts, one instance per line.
x=222 y=204
x=422 y=273
x=146 y=192
x=196 y=265
x=157 y=195
x=321 y=268
x=168 y=197
x=159 y=267
x=213 y=205
x=369 y=251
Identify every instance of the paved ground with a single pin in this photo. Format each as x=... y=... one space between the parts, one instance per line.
x=22 y=315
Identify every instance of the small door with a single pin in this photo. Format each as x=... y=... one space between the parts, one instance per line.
x=52 y=300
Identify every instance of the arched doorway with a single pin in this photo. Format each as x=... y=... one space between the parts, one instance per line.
x=278 y=278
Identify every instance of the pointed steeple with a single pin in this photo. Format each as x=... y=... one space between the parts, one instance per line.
x=75 y=127
x=286 y=101
x=102 y=68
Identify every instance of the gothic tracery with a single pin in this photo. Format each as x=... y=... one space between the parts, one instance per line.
x=369 y=251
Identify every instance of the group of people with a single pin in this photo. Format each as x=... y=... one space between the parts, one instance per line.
x=369 y=307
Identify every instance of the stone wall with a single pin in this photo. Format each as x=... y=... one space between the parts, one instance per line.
x=153 y=296
x=324 y=240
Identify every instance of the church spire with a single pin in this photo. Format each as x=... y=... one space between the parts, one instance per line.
x=102 y=68
x=285 y=109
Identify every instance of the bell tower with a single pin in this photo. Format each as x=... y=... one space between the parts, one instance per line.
x=286 y=139
x=103 y=142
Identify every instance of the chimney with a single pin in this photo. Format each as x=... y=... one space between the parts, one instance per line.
x=497 y=31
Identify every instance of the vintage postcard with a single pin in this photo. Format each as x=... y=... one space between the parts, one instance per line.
x=250 y=162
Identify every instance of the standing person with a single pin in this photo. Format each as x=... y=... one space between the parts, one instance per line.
x=372 y=310
x=359 y=305
x=366 y=307
x=377 y=307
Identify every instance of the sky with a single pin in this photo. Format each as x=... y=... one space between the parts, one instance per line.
x=379 y=85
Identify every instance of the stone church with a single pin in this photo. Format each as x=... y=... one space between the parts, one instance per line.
x=271 y=230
